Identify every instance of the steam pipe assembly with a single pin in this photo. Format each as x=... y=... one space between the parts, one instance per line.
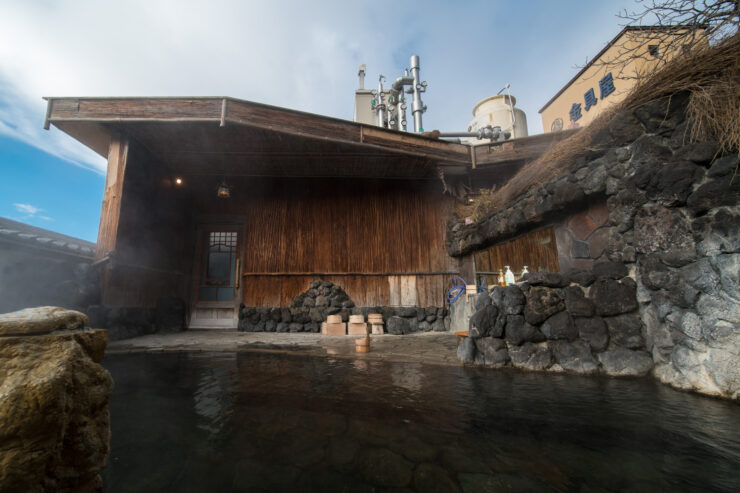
x=392 y=113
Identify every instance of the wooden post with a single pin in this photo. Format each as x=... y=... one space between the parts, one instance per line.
x=111 y=207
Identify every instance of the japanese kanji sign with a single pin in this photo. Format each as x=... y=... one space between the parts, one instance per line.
x=575 y=112
x=590 y=99
x=606 y=87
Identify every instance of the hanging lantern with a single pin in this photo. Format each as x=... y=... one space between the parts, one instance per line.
x=224 y=191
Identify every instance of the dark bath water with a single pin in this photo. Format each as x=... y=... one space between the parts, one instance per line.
x=262 y=422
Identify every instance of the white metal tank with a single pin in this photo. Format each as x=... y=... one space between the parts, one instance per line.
x=499 y=111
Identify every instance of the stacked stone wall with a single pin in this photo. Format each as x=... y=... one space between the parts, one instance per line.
x=121 y=322
x=585 y=322
x=323 y=298
x=674 y=228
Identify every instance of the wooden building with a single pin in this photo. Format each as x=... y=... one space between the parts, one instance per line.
x=309 y=197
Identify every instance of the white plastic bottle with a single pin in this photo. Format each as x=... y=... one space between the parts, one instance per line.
x=509 y=276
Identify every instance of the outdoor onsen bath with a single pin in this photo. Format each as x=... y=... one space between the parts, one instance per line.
x=278 y=300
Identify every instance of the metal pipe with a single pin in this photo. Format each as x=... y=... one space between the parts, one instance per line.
x=488 y=132
x=507 y=88
x=361 y=75
x=400 y=82
x=402 y=112
x=458 y=134
x=395 y=103
x=380 y=106
x=401 y=107
x=417 y=106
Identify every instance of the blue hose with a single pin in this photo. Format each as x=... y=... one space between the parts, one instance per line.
x=482 y=288
x=457 y=289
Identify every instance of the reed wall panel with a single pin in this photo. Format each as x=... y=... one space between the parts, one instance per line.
x=537 y=250
x=365 y=290
x=299 y=230
x=357 y=233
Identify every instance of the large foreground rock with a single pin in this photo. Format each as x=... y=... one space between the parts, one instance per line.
x=54 y=418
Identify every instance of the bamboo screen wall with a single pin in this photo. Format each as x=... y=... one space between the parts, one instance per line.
x=537 y=250
x=381 y=240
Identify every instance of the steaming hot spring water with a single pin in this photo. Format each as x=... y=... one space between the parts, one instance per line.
x=245 y=421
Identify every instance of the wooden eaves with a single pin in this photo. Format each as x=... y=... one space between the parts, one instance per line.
x=221 y=135
x=179 y=128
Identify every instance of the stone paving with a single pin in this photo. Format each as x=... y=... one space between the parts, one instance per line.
x=428 y=347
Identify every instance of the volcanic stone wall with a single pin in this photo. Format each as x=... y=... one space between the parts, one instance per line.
x=323 y=298
x=674 y=228
x=126 y=322
x=583 y=322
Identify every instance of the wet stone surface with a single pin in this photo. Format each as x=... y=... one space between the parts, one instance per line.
x=247 y=421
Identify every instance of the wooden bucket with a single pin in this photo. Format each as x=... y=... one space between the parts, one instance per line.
x=357 y=319
x=362 y=345
x=357 y=329
x=334 y=319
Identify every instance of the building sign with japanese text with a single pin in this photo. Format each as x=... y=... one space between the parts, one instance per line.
x=606 y=87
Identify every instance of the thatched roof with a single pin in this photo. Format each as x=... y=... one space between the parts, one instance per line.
x=710 y=76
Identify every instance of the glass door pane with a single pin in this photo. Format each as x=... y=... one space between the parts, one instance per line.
x=218 y=266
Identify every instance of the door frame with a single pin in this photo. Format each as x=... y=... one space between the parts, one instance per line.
x=204 y=225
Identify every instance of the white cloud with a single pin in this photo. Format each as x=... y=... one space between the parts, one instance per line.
x=301 y=55
x=27 y=209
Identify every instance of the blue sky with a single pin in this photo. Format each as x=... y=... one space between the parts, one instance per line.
x=295 y=54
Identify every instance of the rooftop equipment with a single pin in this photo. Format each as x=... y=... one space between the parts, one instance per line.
x=495 y=118
x=500 y=111
x=388 y=106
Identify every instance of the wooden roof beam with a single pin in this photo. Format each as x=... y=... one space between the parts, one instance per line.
x=225 y=111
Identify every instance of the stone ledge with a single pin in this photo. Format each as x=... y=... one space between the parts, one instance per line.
x=41 y=320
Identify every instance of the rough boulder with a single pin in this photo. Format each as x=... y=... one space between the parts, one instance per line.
x=54 y=418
